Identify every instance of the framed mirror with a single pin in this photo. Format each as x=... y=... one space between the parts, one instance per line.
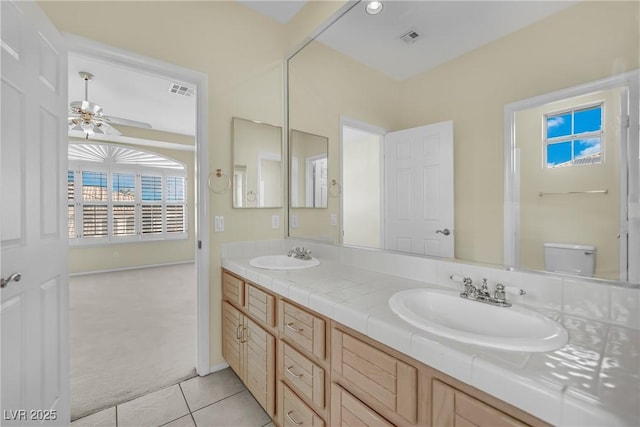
x=412 y=66
x=257 y=164
x=308 y=170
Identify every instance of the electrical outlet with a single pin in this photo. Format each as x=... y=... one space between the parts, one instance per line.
x=218 y=224
x=334 y=219
x=275 y=222
x=294 y=221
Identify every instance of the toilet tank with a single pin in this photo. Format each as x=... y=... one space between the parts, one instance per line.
x=570 y=258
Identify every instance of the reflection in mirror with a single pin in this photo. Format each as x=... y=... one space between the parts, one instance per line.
x=257 y=164
x=308 y=170
x=567 y=182
x=469 y=61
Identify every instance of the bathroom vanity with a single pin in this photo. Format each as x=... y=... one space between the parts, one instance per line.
x=306 y=369
x=321 y=347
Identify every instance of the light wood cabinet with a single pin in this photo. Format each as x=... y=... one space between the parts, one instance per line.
x=260 y=305
x=375 y=376
x=346 y=410
x=251 y=353
x=303 y=329
x=302 y=375
x=295 y=412
x=312 y=371
x=451 y=407
x=232 y=289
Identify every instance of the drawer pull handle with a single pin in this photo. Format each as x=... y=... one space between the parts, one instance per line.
x=290 y=326
x=244 y=337
x=238 y=336
x=293 y=420
x=292 y=374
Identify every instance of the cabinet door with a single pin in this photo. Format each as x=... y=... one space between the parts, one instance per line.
x=451 y=407
x=260 y=304
x=260 y=365
x=346 y=410
x=304 y=329
x=295 y=412
x=232 y=289
x=374 y=376
x=232 y=346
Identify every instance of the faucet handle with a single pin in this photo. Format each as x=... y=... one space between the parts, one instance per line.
x=499 y=294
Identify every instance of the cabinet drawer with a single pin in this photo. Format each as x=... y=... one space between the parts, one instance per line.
x=296 y=413
x=376 y=376
x=260 y=304
x=304 y=329
x=347 y=410
x=455 y=408
x=232 y=289
x=304 y=376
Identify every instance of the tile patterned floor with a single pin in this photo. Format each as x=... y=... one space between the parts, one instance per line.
x=219 y=399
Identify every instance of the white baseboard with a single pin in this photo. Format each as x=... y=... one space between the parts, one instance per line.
x=113 y=270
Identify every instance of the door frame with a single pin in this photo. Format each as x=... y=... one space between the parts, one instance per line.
x=376 y=130
x=97 y=50
x=629 y=147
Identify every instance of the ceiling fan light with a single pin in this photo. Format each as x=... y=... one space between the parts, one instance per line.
x=87 y=128
x=374 y=7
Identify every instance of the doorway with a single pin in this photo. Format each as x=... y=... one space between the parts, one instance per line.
x=196 y=272
x=362 y=179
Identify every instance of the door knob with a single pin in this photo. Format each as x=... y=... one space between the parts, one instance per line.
x=15 y=277
x=446 y=231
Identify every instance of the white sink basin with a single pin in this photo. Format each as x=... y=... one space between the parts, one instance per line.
x=283 y=262
x=446 y=314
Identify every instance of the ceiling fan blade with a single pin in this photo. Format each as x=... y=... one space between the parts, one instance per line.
x=104 y=128
x=127 y=122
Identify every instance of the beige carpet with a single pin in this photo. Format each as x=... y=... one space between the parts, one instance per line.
x=131 y=332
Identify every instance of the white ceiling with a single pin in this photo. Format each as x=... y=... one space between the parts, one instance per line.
x=133 y=95
x=280 y=10
x=449 y=29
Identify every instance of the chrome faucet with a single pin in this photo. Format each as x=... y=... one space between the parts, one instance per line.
x=482 y=294
x=300 y=253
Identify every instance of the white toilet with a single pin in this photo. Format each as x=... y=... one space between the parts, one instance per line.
x=570 y=258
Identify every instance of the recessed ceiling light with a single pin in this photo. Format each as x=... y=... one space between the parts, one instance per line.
x=374 y=7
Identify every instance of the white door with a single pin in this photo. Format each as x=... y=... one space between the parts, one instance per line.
x=33 y=219
x=419 y=190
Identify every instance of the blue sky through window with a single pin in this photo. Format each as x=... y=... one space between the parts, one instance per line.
x=151 y=188
x=574 y=135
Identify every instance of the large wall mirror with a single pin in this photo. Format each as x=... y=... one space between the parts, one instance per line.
x=257 y=164
x=425 y=78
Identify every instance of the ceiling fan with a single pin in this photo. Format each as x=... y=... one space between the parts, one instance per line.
x=88 y=117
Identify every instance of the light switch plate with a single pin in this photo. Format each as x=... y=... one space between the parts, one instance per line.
x=275 y=222
x=218 y=224
x=294 y=221
x=334 y=219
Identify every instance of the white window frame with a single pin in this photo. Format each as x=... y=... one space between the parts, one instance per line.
x=572 y=137
x=109 y=167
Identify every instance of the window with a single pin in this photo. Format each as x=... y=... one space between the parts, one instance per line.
x=124 y=202
x=574 y=137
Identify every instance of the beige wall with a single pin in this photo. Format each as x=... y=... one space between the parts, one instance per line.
x=84 y=259
x=583 y=219
x=302 y=146
x=570 y=48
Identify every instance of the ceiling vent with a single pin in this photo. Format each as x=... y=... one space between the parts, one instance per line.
x=179 y=89
x=410 y=36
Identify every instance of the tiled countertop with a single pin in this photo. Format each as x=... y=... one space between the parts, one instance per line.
x=593 y=381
